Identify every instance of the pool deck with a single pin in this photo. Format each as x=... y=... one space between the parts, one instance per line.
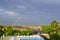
x=31 y=36
x=18 y=37
x=36 y=36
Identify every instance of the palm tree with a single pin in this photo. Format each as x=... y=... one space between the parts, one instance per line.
x=54 y=23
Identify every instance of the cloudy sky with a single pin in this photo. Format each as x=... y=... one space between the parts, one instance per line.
x=29 y=12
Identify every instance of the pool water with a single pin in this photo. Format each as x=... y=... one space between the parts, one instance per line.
x=31 y=38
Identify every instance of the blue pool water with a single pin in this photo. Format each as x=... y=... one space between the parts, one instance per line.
x=31 y=38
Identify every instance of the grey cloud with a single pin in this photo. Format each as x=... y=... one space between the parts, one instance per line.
x=29 y=11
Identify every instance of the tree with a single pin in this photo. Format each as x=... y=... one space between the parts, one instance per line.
x=47 y=29
x=1 y=30
x=54 y=23
x=9 y=31
x=26 y=32
x=53 y=30
x=16 y=32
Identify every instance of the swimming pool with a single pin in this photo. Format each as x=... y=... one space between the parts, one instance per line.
x=31 y=38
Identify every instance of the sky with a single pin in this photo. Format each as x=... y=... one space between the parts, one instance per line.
x=29 y=12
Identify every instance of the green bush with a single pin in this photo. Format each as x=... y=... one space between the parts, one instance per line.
x=54 y=37
x=26 y=32
x=47 y=29
x=9 y=31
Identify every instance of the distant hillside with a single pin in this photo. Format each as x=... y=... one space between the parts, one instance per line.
x=26 y=27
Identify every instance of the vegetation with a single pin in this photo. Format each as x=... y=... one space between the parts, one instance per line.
x=26 y=32
x=54 y=23
x=1 y=30
x=47 y=29
x=9 y=31
x=53 y=30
